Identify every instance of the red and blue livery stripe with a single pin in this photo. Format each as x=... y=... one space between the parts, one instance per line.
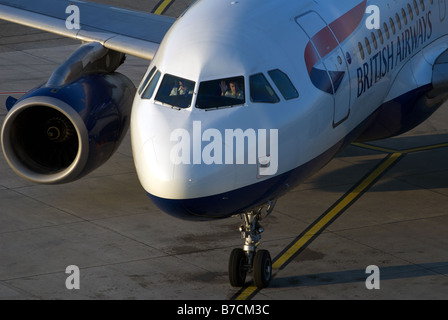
x=325 y=41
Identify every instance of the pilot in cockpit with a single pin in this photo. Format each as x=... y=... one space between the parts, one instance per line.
x=234 y=91
x=179 y=89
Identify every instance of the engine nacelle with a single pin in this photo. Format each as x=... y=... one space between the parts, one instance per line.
x=59 y=134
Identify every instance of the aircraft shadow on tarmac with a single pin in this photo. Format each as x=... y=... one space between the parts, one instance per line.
x=360 y=275
x=425 y=169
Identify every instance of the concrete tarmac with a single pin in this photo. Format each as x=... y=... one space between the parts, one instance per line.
x=126 y=248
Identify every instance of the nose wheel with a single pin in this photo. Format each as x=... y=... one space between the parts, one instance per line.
x=262 y=269
x=248 y=259
x=237 y=267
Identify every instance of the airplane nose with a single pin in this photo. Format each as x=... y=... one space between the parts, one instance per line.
x=191 y=190
x=187 y=190
x=220 y=205
x=189 y=170
x=203 y=191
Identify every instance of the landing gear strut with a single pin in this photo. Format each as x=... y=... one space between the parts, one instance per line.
x=248 y=259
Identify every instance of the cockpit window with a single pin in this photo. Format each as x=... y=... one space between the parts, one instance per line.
x=175 y=92
x=261 y=91
x=284 y=84
x=221 y=93
x=149 y=91
x=150 y=74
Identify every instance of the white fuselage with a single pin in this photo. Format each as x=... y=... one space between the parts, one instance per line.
x=184 y=153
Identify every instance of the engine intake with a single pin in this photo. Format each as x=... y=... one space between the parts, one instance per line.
x=57 y=135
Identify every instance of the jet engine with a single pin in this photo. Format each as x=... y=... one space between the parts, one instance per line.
x=66 y=128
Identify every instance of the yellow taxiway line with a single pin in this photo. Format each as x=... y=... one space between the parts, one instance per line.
x=161 y=6
x=316 y=228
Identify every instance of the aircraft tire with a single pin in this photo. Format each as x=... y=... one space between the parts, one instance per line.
x=262 y=269
x=237 y=269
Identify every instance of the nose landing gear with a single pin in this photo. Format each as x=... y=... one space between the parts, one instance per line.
x=248 y=259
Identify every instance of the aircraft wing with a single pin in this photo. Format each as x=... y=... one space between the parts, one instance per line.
x=132 y=32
